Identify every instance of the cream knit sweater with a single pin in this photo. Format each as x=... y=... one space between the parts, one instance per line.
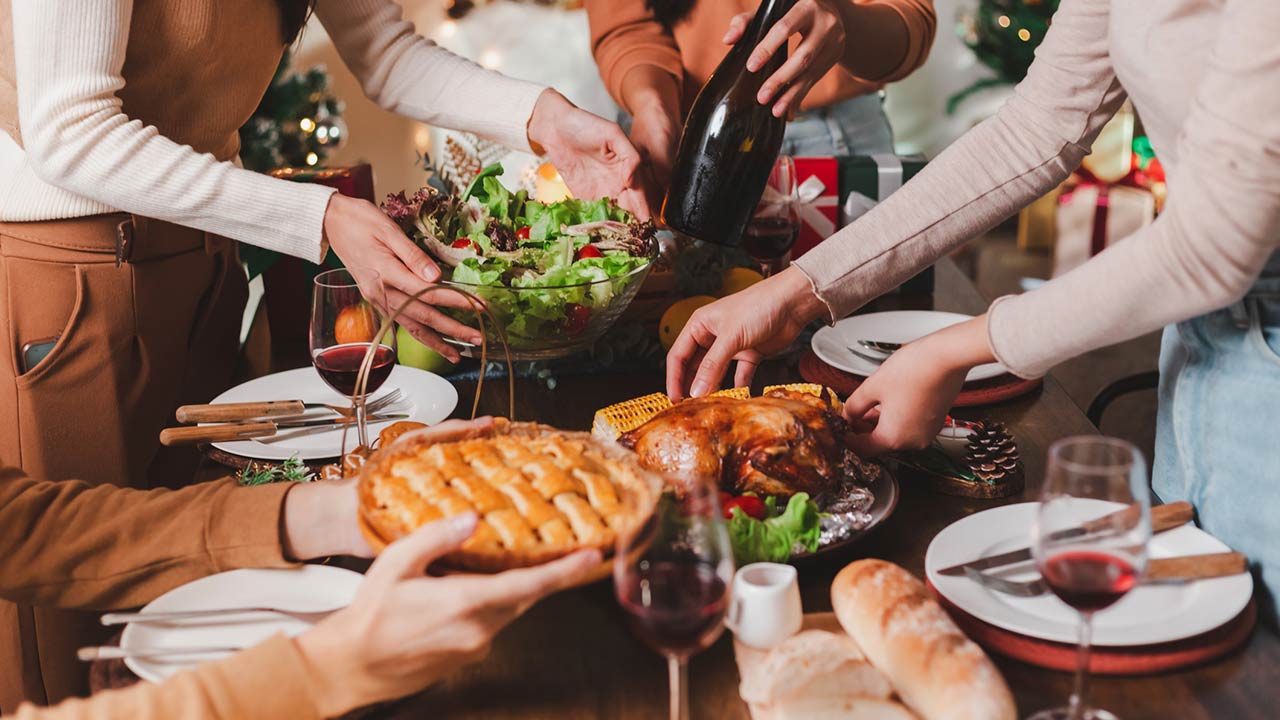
x=81 y=154
x=1205 y=77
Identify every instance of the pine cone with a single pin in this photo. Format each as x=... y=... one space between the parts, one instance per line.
x=992 y=454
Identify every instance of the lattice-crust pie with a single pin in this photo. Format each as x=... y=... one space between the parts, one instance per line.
x=541 y=493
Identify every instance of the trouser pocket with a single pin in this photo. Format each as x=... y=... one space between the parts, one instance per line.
x=1264 y=325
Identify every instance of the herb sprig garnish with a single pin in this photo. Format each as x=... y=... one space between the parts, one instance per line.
x=291 y=470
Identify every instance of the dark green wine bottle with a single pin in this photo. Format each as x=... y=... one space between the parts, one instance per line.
x=729 y=144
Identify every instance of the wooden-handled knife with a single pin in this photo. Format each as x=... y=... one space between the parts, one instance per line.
x=246 y=431
x=1163 y=517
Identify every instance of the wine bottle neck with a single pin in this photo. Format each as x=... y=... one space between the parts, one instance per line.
x=769 y=13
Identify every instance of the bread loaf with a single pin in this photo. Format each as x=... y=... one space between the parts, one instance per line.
x=813 y=663
x=938 y=672
x=850 y=708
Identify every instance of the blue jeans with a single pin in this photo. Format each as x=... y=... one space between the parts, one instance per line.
x=857 y=126
x=1218 y=427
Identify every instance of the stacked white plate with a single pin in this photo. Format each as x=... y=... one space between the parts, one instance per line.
x=838 y=345
x=308 y=588
x=429 y=399
x=1147 y=615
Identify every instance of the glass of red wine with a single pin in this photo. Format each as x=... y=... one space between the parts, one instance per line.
x=775 y=224
x=1089 y=477
x=345 y=319
x=672 y=578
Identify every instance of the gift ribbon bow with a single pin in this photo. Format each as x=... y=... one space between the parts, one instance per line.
x=888 y=179
x=810 y=194
x=1085 y=178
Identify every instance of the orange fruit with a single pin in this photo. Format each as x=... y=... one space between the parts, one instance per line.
x=356 y=324
x=674 y=319
x=738 y=278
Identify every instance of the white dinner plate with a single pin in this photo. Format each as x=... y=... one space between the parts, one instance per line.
x=308 y=588
x=1149 y=614
x=429 y=399
x=832 y=344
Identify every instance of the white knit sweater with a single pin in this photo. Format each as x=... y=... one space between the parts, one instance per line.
x=84 y=156
x=1205 y=77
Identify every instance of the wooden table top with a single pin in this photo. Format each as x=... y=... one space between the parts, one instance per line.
x=572 y=656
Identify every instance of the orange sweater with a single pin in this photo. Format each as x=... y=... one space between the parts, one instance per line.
x=625 y=35
x=72 y=545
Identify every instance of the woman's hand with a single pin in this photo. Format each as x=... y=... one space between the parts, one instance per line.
x=821 y=26
x=592 y=154
x=746 y=326
x=405 y=630
x=319 y=518
x=366 y=239
x=653 y=95
x=903 y=404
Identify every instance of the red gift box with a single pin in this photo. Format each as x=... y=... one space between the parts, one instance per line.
x=818 y=182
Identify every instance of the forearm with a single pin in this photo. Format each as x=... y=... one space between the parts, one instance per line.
x=886 y=41
x=271 y=681
x=68 y=544
x=1178 y=268
x=410 y=75
x=626 y=38
x=648 y=88
x=1029 y=147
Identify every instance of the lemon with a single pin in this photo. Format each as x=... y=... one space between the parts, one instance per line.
x=674 y=319
x=739 y=278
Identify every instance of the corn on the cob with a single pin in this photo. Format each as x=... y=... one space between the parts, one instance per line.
x=612 y=421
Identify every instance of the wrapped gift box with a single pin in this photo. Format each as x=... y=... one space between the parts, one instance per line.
x=865 y=181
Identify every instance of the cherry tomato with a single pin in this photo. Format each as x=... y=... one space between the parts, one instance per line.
x=725 y=499
x=575 y=318
x=464 y=243
x=588 y=251
x=750 y=505
x=522 y=233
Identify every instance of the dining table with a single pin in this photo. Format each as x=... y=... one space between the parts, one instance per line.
x=572 y=655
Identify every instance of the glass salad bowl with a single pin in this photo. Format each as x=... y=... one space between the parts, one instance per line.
x=548 y=322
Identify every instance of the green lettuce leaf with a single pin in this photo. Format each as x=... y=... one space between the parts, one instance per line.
x=477 y=187
x=771 y=539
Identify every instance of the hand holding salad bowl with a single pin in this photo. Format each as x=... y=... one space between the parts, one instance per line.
x=554 y=275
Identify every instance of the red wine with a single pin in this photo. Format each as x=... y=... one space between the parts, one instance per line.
x=1089 y=581
x=340 y=365
x=769 y=238
x=677 y=608
x=729 y=144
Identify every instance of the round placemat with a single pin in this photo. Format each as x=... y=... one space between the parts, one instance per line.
x=1136 y=660
x=983 y=392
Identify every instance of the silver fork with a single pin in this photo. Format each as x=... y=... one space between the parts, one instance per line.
x=1033 y=588
x=390 y=398
x=119 y=618
x=876 y=359
x=888 y=348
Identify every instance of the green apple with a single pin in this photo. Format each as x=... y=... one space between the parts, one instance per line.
x=416 y=355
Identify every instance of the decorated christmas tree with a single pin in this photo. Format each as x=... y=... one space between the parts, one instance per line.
x=1004 y=35
x=297 y=124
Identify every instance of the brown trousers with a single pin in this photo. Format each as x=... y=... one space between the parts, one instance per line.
x=135 y=339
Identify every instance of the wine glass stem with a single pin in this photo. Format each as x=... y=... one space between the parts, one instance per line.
x=1079 y=703
x=678 y=687
x=362 y=422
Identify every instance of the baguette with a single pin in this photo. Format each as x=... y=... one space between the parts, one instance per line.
x=938 y=672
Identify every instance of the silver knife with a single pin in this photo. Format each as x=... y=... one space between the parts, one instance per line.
x=259 y=429
x=1163 y=517
x=281 y=424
